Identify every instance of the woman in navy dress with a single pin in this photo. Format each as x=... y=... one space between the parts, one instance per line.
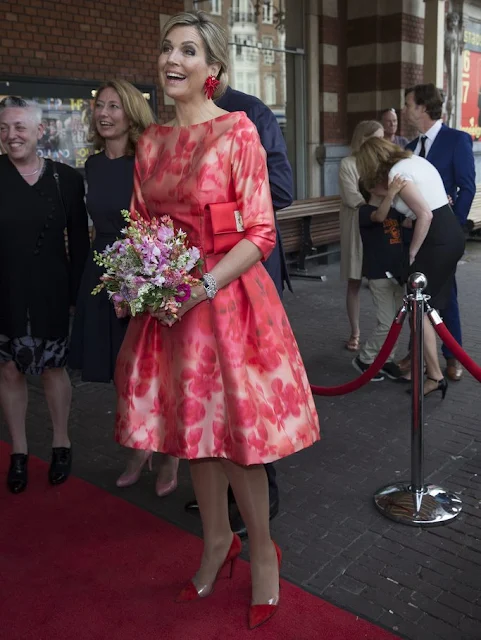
x=120 y=115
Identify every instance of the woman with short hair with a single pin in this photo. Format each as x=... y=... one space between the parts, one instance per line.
x=39 y=281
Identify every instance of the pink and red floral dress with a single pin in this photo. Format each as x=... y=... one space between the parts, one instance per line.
x=227 y=380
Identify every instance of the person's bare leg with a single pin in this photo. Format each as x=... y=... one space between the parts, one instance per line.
x=353 y=305
x=58 y=393
x=210 y=487
x=433 y=370
x=251 y=492
x=14 y=400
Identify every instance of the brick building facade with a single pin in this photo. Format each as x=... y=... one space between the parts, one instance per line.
x=86 y=40
x=334 y=62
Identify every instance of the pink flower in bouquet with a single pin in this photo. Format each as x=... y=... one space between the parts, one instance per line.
x=149 y=268
x=183 y=293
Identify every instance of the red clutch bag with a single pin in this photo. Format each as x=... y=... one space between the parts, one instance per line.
x=227 y=225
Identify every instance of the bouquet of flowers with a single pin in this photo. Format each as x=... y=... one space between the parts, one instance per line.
x=149 y=268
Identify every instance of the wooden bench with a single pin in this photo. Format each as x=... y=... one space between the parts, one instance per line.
x=308 y=226
x=473 y=222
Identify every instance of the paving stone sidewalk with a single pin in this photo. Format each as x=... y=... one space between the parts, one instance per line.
x=424 y=584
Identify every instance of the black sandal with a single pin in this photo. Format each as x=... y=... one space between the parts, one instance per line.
x=442 y=387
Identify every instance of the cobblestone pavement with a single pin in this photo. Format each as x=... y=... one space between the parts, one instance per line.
x=424 y=584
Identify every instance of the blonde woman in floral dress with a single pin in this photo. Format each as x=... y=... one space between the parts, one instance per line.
x=224 y=386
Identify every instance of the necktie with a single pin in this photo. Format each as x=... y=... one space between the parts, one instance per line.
x=422 y=152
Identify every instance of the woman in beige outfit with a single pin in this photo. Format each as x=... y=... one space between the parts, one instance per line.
x=351 y=245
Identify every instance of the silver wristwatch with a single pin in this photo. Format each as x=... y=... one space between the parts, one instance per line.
x=210 y=285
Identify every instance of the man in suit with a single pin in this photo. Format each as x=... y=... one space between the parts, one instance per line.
x=451 y=152
x=280 y=181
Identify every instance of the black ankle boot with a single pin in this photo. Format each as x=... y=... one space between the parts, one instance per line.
x=61 y=464
x=17 y=478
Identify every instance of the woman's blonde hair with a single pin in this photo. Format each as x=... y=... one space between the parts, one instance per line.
x=213 y=36
x=136 y=109
x=362 y=132
x=375 y=159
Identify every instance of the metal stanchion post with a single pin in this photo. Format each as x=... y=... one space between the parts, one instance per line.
x=417 y=503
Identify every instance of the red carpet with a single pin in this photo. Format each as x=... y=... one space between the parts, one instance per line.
x=77 y=563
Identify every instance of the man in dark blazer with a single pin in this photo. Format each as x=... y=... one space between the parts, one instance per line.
x=280 y=181
x=451 y=152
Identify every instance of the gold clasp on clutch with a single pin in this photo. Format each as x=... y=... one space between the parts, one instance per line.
x=239 y=223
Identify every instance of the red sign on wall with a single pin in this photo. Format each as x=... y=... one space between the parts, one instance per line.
x=471 y=81
x=471 y=96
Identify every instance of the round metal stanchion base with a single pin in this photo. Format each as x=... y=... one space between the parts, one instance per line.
x=431 y=507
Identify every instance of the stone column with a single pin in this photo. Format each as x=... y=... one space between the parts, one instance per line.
x=313 y=104
x=434 y=42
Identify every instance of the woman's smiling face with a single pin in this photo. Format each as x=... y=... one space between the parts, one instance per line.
x=183 y=68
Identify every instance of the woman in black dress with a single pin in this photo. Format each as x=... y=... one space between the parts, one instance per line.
x=39 y=282
x=120 y=115
x=437 y=242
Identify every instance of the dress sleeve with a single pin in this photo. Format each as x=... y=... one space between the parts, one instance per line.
x=251 y=184
x=143 y=152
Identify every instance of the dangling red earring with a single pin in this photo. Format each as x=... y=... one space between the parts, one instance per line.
x=210 y=86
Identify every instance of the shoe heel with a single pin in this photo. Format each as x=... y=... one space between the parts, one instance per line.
x=231 y=568
x=444 y=389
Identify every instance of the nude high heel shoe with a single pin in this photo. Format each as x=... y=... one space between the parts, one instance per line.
x=129 y=478
x=164 y=488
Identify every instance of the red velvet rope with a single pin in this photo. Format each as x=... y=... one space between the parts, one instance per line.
x=365 y=377
x=458 y=352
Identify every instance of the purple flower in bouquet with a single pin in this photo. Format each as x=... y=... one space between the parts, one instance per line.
x=165 y=233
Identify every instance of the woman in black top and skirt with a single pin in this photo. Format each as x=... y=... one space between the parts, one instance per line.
x=437 y=241
x=39 y=282
x=120 y=115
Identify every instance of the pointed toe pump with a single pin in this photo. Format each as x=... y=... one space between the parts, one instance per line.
x=261 y=613
x=191 y=592
x=164 y=488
